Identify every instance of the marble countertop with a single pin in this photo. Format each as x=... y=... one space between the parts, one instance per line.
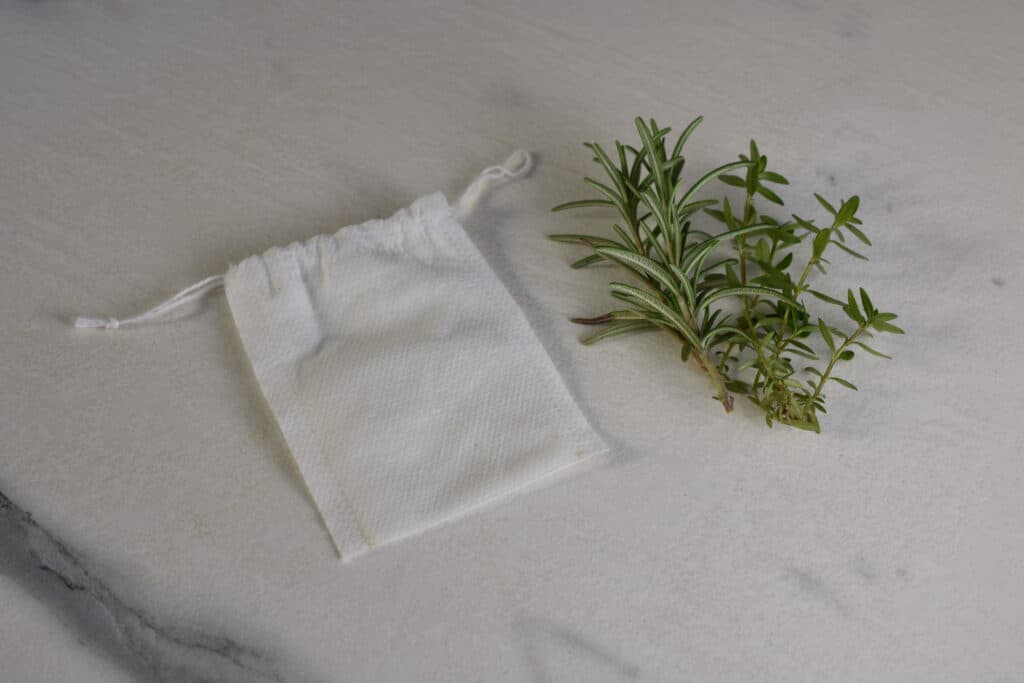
x=152 y=525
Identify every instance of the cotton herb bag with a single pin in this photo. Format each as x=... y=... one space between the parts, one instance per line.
x=405 y=379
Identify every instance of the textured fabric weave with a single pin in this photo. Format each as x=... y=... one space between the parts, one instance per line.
x=407 y=382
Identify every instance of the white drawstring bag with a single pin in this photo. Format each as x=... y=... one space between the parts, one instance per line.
x=405 y=379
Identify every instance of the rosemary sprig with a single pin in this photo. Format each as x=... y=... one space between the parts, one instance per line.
x=742 y=319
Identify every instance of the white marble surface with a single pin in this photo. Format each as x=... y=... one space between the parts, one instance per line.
x=144 y=145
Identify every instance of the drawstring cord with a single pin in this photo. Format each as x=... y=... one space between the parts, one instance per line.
x=190 y=293
x=517 y=165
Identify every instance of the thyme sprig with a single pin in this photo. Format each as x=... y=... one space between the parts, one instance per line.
x=741 y=319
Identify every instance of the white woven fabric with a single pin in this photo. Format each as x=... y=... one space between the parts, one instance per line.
x=407 y=382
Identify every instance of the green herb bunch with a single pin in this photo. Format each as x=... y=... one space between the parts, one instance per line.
x=742 y=319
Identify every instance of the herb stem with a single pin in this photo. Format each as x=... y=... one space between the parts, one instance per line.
x=701 y=359
x=722 y=393
x=835 y=359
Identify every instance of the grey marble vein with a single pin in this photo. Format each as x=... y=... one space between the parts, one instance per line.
x=135 y=639
x=545 y=640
